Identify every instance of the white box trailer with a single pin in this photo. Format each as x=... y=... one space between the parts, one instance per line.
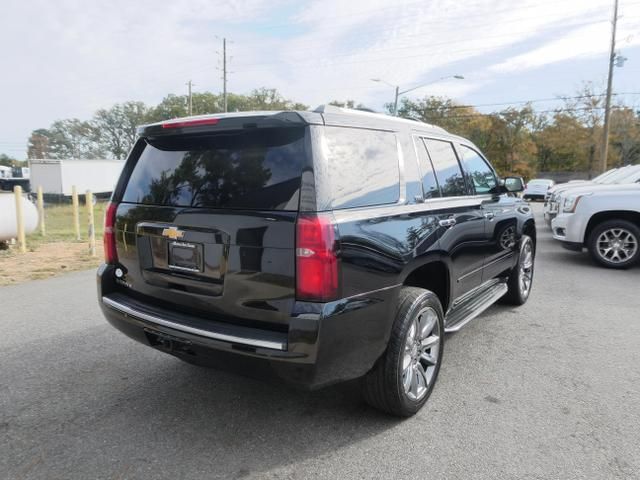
x=56 y=177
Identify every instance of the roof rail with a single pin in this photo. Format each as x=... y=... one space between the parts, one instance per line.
x=367 y=112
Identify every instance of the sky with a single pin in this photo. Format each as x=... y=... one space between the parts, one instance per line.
x=68 y=58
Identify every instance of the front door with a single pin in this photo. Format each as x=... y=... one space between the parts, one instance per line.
x=498 y=210
x=460 y=216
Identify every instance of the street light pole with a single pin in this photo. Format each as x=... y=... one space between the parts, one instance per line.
x=395 y=102
x=398 y=92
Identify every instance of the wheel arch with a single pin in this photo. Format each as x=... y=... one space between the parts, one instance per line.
x=598 y=218
x=434 y=275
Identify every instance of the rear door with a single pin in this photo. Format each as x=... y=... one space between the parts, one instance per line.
x=206 y=223
x=459 y=214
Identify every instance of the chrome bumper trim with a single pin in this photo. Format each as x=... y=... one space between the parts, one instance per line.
x=253 y=342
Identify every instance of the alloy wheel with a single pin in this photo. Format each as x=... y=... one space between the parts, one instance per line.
x=617 y=245
x=525 y=270
x=421 y=353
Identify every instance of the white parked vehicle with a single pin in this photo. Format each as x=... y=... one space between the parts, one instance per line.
x=57 y=177
x=603 y=219
x=537 y=189
x=617 y=176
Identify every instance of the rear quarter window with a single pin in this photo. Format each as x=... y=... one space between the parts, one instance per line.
x=363 y=167
x=258 y=169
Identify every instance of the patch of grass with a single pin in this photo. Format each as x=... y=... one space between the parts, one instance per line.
x=60 y=227
x=58 y=251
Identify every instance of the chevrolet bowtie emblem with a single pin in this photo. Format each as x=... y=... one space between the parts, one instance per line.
x=173 y=233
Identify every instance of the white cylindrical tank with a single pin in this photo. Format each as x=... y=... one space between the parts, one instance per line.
x=8 y=224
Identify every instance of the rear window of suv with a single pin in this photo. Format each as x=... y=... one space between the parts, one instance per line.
x=363 y=167
x=255 y=169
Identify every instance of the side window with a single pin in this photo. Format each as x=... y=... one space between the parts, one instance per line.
x=445 y=163
x=483 y=178
x=362 y=167
x=430 y=187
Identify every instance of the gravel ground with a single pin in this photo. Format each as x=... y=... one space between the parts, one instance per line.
x=548 y=390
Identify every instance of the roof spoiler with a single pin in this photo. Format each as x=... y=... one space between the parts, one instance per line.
x=222 y=122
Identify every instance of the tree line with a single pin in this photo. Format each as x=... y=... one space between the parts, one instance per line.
x=518 y=140
x=111 y=132
x=523 y=141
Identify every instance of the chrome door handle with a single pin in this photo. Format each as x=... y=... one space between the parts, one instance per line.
x=489 y=215
x=447 y=222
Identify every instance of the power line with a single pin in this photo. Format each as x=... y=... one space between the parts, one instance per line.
x=404 y=36
x=556 y=110
x=455 y=20
x=432 y=44
x=317 y=65
x=318 y=42
x=433 y=31
x=538 y=100
x=466 y=8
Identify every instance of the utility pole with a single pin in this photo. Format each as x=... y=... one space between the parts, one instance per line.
x=607 y=105
x=224 y=72
x=190 y=84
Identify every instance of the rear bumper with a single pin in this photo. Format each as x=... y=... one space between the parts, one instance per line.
x=324 y=344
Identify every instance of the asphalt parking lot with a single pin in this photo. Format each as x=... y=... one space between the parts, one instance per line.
x=549 y=390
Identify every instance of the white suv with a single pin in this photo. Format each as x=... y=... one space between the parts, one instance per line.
x=618 y=176
x=603 y=219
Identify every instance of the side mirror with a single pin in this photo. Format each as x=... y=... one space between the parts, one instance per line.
x=513 y=184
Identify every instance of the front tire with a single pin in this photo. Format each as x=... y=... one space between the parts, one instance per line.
x=615 y=244
x=403 y=378
x=521 y=277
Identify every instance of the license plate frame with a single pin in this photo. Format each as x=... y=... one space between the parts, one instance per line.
x=185 y=257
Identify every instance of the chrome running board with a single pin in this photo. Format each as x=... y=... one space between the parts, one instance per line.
x=473 y=304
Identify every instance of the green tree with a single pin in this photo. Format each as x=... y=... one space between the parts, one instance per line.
x=7 y=161
x=75 y=138
x=588 y=109
x=561 y=144
x=171 y=106
x=625 y=136
x=511 y=129
x=116 y=127
x=38 y=145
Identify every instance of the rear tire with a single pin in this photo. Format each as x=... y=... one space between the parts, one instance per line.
x=521 y=277
x=615 y=244
x=403 y=378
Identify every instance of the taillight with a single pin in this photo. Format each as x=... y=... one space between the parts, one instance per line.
x=197 y=122
x=316 y=259
x=110 y=253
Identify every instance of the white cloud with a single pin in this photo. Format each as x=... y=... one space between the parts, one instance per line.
x=69 y=57
x=581 y=42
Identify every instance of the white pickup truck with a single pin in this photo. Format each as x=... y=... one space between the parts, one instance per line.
x=604 y=219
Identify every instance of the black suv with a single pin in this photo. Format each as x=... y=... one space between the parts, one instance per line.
x=317 y=246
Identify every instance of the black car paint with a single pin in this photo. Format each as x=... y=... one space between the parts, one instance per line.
x=249 y=275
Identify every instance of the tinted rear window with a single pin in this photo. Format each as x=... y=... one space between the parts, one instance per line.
x=257 y=169
x=363 y=167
